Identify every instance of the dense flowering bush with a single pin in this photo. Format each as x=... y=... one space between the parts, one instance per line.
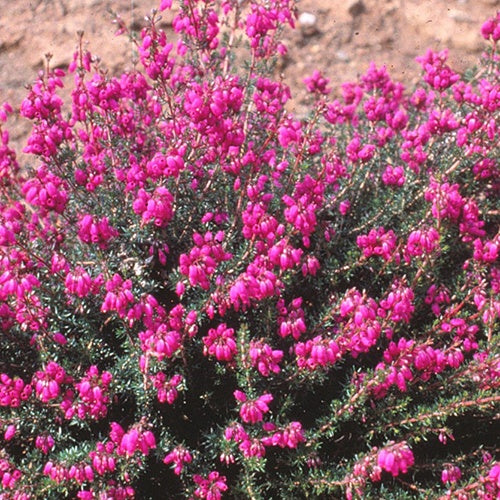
x=203 y=296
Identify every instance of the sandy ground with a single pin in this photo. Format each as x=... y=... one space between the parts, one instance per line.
x=344 y=37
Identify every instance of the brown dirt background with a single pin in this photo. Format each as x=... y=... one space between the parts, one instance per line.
x=346 y=36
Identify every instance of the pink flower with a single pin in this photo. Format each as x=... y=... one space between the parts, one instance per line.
x=396 y=458
x=317 y=352
x=164 y=342
x=291 y=319
x=202 y=260
x=96 y=231
x=393 y=176
x=119 y=295
x=59 y=338
x=486 y=251
x=235 y=431
x=136 y=439
x=344 y=207
x=252 y=448
x=165 y=4
x=13 y=391
x=179 y=456
x=78 y=282
x=264 y=358
x=451 y=474
x=288 y=437
x=48 y=382
x=378 y=242
x=116 y=433
x=398 y=304
x=93 y=394
x=155 y=207
x=47 y=191
x=167 y=389
x=316 y=83
x=220 y=343
x=44 y=443
x=252 y=411
x=436 y=72
x=494 y=475
x=10 y=432
x=210 y=488
x=421 y=242
x=491 y=28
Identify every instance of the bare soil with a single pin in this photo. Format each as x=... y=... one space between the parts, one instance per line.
x=344 y=37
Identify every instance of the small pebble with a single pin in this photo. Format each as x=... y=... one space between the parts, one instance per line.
x=308 y=23
x=355 y=7
x=341 y=55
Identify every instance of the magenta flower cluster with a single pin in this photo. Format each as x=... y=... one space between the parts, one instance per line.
x=203 y=295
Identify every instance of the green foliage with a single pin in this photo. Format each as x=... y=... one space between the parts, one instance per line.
x=202 y=296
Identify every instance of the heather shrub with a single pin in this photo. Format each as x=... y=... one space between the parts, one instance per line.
x=203 y=296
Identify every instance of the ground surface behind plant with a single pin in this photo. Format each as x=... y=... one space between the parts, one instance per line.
x=347 y=35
